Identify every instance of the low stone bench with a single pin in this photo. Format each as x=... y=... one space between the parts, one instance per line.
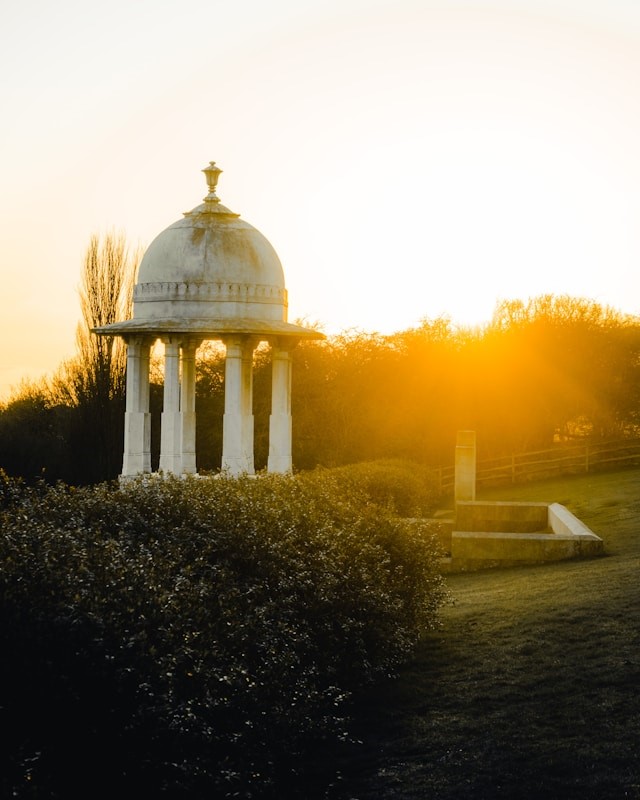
x=488 y=534
x=510 y=517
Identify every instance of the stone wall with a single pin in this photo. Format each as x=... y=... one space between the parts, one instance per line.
x=490 y=534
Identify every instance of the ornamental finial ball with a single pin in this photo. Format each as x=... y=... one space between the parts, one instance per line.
x=212 y=174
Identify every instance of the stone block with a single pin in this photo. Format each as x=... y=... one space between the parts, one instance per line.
x=521 y=547
x=508 y=517
x=507 y=534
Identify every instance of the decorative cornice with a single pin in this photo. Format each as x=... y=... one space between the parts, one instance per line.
x=209 y=328
x=209 y=292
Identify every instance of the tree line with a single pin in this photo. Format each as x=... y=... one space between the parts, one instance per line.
x=549 y=369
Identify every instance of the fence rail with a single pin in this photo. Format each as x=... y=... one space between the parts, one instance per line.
x=560 y=460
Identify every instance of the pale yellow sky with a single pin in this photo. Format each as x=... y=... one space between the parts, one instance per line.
x=406 y=159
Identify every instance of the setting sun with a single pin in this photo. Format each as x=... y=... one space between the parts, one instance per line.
x=406 y=160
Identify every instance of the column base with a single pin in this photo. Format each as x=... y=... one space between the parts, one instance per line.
x=137 y=443
x=170 y=433
x=280 y=459
x=235 y=460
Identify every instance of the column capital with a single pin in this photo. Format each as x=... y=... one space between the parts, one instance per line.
x=283 y=343
x=191 y=342
x=139 y=339
x=242 y=343
x=172 y=338
x=232 y=342
x=240 y=337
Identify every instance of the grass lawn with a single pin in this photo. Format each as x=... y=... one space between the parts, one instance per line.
x=532 y=687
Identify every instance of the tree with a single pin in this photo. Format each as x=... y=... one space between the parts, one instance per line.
x=553 y=368
x=33 y=434
x=106 y=295
x=94 y=381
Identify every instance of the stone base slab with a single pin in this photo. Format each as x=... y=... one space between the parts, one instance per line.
x=481 y=537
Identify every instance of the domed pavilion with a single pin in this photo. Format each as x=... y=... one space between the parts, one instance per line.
x=209 y=276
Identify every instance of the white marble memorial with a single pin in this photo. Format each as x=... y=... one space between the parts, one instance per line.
x=209 y=276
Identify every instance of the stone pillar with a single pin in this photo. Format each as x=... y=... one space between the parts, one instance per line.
x=465 y=481
x=246 y=400
x=188 y=405
x=237 y=427
x=137 y=419
x=170 y=432
x=280 y=459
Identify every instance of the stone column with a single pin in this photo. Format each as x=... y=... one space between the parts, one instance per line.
x=237 y=427
x=465 y=481
x=137 y=419
x=280 y=459
x=171 y=430
x=188 y=405
x=246 y=410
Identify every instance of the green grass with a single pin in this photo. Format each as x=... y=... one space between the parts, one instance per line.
x=531 y=689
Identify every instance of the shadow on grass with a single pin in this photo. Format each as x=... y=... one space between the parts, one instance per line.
x=530 y=690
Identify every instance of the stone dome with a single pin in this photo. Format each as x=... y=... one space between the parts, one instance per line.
x=210 y=265
x=210 y=274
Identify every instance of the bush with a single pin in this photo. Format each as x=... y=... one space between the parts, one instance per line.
x=194 y=636
x=11 y=490
x=408 y=488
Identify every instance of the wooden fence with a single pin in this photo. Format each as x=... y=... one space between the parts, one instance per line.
x=560 y=460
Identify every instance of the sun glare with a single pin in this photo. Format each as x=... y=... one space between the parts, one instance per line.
x=406 y=160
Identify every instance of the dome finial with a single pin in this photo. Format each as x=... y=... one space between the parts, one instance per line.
x=212 y=174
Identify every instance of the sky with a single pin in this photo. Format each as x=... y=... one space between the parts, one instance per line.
x=407 y=159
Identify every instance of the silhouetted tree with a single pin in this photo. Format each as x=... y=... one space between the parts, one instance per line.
x=34 y=434
x=94 y=381
x=572 y=368
x=543 y=370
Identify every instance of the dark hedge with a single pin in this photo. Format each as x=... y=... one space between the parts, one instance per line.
x=195 y=638
x=406 y=487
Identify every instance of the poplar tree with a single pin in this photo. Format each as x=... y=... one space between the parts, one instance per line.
x=95 y=379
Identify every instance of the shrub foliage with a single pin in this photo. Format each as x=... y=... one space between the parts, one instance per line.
x=406 y=487
x=189 y=638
